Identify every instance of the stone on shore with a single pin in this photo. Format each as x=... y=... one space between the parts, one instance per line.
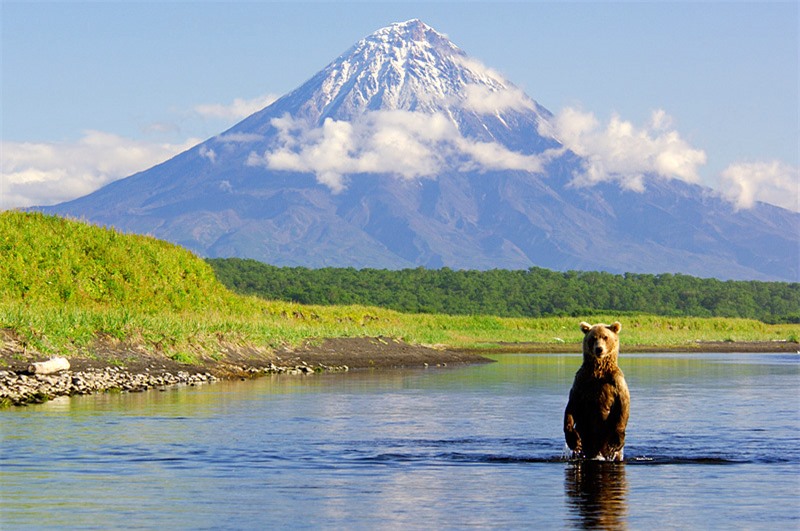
x=51 y=366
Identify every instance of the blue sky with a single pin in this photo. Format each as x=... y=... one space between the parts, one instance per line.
x=95 y=91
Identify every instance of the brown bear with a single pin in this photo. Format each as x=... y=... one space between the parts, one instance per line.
x=599 y=401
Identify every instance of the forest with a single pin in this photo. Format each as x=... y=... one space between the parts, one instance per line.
x=535 y=292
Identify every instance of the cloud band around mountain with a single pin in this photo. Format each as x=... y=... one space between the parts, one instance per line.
x=409 y=145
x=774 y=182
x=406 y=144
x=623 y=152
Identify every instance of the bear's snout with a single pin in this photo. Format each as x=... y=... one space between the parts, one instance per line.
x=599 y=350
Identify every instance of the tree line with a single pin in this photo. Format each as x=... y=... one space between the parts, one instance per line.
x=534 y=292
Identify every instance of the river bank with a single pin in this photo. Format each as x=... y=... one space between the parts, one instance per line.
x=115 y=367
x=129 y=368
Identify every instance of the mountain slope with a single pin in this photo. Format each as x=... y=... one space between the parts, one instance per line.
x=403 y=152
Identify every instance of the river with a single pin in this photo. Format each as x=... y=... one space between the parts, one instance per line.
x=713 y=442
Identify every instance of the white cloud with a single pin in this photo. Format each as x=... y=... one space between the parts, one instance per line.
x=238 y=109
x=406 y=144
x=208 y=153
x=161 y=128
x=44 y=173
x=624 y=153
x=487 y=91
x=483 y=100
x=239 y=138
x=773 y=182
x=483 y=73
x=483 y=156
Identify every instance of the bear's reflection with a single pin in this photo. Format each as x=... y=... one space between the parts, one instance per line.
x=597 y=494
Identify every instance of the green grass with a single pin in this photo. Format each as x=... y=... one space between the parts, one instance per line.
x=53 y=261
x=66 y=286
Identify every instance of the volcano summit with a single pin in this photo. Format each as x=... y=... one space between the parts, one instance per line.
x=406 y=152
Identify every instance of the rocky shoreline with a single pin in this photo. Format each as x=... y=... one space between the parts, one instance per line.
x=18 y=388
x=138 y=371
x=21 y=388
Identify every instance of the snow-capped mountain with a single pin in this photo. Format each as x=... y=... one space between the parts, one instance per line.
x=404 y=151
x=404 y=91
x=407 y=66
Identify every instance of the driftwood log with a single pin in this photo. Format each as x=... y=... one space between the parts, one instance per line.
x=50 y=366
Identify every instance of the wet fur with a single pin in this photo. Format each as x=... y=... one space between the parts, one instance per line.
x=599 y=402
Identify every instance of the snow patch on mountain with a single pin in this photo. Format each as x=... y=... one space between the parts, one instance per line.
x=408 y=66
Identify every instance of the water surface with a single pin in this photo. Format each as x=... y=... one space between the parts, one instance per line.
x=713 y=440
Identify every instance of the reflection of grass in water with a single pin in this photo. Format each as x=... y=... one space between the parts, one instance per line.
x=65 y=286
x=691 y=368
x=649 y=369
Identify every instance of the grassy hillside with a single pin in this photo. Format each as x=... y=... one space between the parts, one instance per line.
x=50 y=261
x=74 y=289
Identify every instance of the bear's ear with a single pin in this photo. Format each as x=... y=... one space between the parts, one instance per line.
x=585 y=326
x=616 y=327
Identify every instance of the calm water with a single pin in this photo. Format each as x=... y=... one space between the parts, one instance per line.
x=713 y=441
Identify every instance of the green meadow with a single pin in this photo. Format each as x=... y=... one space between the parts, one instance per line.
x=67 y=287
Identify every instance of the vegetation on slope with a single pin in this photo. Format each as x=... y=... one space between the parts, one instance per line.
x=73 y=289
x=48 y=261
x=535 y=292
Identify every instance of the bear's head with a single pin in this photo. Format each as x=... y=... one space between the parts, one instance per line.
x=601 y=341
